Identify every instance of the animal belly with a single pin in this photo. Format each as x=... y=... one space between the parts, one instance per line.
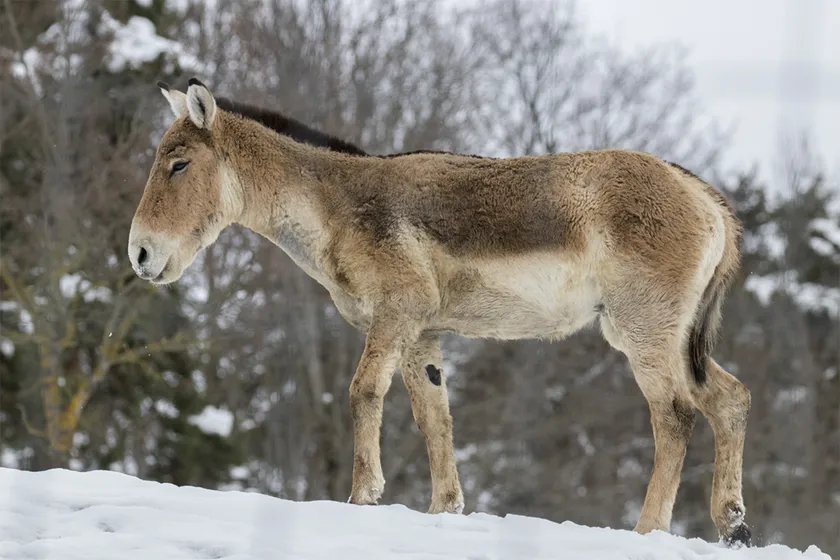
x=351 y=309
x=532 y=301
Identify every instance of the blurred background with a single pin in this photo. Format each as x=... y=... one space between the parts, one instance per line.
x=237 y=377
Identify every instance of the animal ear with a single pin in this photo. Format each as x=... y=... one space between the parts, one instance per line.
x=177 y=100
x=200 y=104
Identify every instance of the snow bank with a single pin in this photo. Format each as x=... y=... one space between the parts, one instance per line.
x=106 y=515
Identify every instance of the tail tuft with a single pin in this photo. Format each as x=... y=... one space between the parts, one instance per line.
x=703 y=333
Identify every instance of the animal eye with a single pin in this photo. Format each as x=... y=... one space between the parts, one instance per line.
x=179 y=166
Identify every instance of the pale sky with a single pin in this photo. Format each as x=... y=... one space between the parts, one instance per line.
x=758 y=64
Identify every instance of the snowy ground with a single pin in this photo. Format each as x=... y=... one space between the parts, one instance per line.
x=67 y=515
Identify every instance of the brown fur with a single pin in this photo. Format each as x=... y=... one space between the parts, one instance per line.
x=527 y=247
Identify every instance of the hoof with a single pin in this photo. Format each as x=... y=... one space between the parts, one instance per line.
x=455 y=505
x=367 y=496
x=644 y=526
x=367 y=500
x=739 y=537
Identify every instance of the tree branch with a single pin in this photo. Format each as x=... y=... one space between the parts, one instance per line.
x=29 y=427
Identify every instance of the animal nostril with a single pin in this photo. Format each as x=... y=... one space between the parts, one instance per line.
x=142 y=256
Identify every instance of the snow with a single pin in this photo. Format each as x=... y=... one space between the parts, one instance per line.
x=74 y=284
x=790 y=397
x=25 y=324
x=180 y=6
x=136 y=42
x=809 y=296
x=213 y=420
x=9 y=458
x=831 y=232
x=105 y=515
x=828 y=228
x=166 y=408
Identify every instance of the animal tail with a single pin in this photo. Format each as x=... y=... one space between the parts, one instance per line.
x=704 y=331
x=703 y=334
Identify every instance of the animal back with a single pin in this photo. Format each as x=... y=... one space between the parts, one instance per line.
x=490 y=208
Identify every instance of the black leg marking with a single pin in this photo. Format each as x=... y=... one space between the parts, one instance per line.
x=741 y=536
x=434 y=374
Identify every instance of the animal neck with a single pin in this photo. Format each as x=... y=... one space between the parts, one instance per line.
x=283 y=185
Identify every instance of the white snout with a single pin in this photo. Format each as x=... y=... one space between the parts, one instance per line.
x=149 y=254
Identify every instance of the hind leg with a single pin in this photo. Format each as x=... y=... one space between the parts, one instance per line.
x=426 y=384
x=661 y=370
x=672 y=417
x=725 y=402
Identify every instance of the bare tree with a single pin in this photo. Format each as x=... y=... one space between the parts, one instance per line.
x=60 y=262
x=559 y=90
x=261 y=340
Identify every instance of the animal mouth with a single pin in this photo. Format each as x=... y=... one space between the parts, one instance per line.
x=159 y=278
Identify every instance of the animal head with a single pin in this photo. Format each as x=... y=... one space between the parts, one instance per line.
x=190 y=196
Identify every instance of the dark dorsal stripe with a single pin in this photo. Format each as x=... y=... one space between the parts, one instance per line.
x=300 y=132
x=288 y=127
x=413 y=152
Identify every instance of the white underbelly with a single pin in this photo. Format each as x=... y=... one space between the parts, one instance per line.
x=525 y=298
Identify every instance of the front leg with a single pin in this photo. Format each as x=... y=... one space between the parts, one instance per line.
x=384 y=347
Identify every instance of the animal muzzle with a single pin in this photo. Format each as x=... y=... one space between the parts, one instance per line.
x=149 y=255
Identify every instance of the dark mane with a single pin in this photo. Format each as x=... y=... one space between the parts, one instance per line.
x=288 y=126
x=684 y=170
x=413 y=152
x=300 y=132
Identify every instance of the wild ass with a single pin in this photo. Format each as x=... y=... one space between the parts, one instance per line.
x=412 y=246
